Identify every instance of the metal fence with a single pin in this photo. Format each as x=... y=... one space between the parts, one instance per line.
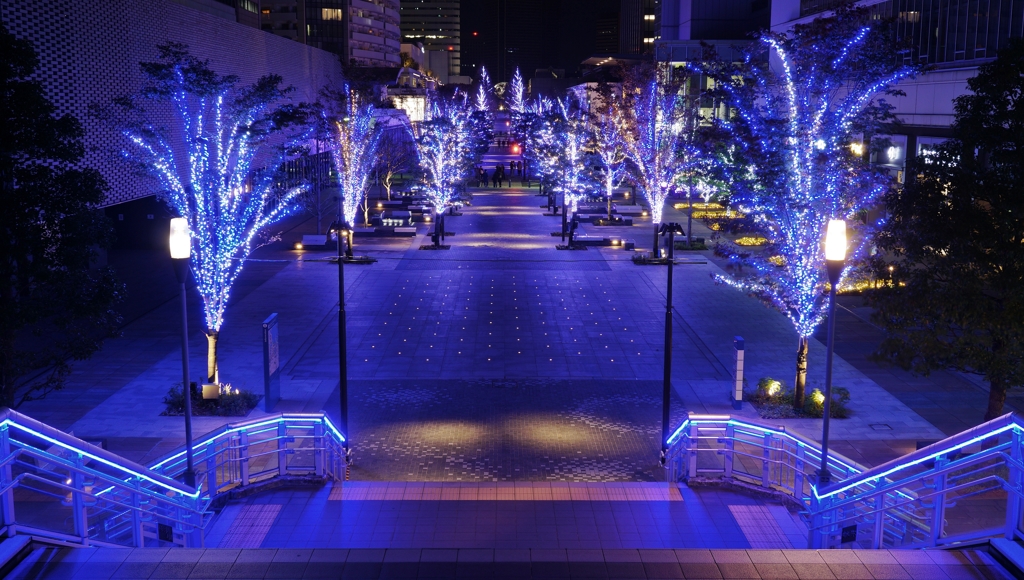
x=964 y=488
x=58 y=487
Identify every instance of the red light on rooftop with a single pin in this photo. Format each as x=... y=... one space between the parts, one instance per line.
x=475 y=33
x=451 y=48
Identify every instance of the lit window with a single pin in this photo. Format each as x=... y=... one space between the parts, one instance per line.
x=331 y=13
x=648 y=41
x=648 y=17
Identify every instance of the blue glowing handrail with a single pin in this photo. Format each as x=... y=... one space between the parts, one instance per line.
x=993 y=428
x=698 y=420
x=217 y=435
x=12 y=419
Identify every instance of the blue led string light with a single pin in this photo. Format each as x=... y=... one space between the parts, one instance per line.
x=795 y=127
x=354 y=140
x=226 y=185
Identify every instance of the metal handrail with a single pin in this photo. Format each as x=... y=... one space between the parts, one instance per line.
x=912 y=501
x=115 y=501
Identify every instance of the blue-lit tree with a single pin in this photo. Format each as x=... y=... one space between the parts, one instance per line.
x=516 y=99
x=795 y=168
x=217 y=164
x=572 y=178
x=354 y=137
x=657 y=122
x=447 y=145
x=609 y=147
x=483 y=91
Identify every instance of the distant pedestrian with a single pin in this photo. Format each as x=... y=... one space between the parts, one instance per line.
x=494 y=178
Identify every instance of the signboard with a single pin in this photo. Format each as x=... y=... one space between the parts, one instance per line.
x=271 y=364
x=737 y=391
x=849 y=534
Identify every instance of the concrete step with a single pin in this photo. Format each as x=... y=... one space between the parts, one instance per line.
x=490 y=563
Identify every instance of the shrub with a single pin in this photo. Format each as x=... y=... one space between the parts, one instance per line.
x=232 y=402
x=769 y=389
x=698 y=244
x=774 y=401
x=814 y=405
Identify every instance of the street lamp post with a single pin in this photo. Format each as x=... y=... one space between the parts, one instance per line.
x=670 y=230
x=181 y=251
x=835 y=260
x=339 y=229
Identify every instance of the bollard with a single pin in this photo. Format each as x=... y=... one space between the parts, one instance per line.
x=737 y=392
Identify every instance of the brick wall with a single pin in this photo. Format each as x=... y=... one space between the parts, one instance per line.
x=89 y=52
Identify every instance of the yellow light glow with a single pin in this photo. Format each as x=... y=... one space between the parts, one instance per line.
x=818 y=397
x=774 y=388
x=751 y=241
x=857 y=148
x=699 y=205
x=180 y=240
x=298 y=245
x=835 y=241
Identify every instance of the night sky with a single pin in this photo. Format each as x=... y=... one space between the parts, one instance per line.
x=530 y=34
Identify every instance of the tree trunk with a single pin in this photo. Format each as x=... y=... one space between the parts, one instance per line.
x=7 y=378
x=996 y=397
x=654 y=252
x=800 y=383
x=348 y=248
x=689 y=216
x=212 y=372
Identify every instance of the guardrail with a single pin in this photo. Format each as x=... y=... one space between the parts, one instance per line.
x=964 y=488
x=58 y=487
x=239 y=454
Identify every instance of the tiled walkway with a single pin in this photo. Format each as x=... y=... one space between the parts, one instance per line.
x=506 y=515
x=364 y=564
x=501 y=306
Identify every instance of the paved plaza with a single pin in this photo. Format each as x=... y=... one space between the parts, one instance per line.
x=501 y=358
x=504 y=395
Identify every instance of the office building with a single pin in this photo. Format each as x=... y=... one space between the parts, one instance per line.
x=436 y=25
x=362 y=32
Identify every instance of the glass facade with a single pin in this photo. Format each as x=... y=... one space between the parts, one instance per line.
x=946 y=31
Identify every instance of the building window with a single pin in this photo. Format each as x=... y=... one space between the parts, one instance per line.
x=332 y=13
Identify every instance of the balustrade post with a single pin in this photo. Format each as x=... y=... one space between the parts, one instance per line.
x=730 y=438
x=78 y=509
x=879 y=532
x=282 y=448
x=939 y=503
x=1013 y=503
x=138 y=540
x=243 y=456
x=815 y=535
x=6 y=479
x=211 y=474
x=691 y=435
x=798 y=473
x=766 y=454
x=318 y=449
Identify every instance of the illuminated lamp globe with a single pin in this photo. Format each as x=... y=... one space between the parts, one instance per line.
x=835 y=241
x=180 y=239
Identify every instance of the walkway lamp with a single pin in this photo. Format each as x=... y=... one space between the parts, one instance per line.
x=670 y=230
x=181 y=251
x=341 y=230
x=835 y=261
